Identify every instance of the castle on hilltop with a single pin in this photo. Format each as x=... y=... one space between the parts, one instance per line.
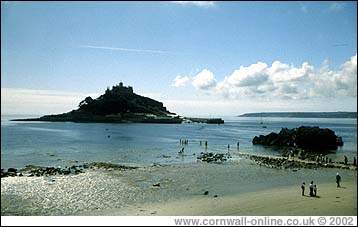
x=120 y=89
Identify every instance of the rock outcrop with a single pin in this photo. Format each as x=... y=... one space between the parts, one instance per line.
x=213 y=158
x=308 y=138
x=33 y=170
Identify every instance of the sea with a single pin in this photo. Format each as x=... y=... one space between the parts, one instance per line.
x=63 y=143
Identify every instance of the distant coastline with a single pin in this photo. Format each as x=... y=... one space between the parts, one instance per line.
x=303 y=114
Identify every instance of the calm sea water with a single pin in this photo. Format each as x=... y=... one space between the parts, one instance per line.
x=60 y=143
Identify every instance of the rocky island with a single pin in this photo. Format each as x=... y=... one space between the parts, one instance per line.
x=308 y=138
x=118 y=105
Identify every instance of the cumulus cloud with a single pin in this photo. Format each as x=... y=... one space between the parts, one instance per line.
x=252 y=75
x=280 y=72
x=281 y=80
x=180 y=81
x=342 y=82
x=204 y=80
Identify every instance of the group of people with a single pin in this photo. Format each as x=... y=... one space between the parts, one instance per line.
x=183 y=141
x=322 y=159
x=205 y=142
x=238 y=146
x=346 y=161
x=312 y=187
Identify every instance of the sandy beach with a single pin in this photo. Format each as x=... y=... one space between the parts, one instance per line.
x=278 y=201
x=235 y=188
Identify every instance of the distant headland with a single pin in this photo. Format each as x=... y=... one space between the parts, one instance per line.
x=120 y=105
x=303 y=114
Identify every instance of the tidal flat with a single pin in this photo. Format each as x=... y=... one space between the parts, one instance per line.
x=142 y=190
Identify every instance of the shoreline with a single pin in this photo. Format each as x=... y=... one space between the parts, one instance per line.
x=269 y=161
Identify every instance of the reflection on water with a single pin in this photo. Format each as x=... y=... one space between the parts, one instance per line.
x=55 y=143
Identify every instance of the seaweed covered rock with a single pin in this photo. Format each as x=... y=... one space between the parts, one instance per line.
x=303 y=137
x=212 y=157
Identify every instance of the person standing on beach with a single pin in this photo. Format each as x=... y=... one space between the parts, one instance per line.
x=303 y=188
x=181 y=151
x=315 y=190
x=345 y=160
x=228 y=147
x=338 y=180
x=311 y=188
x=238 y=145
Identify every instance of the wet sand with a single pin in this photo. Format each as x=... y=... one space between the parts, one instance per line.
x=331 y=201
x=241 y=186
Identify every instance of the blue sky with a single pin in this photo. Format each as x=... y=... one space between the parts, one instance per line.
x=61 y=49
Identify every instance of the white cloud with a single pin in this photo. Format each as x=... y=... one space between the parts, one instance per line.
x=204 y=80
x=195 y=3
x=252 y=75
x=180 y=81
x=283 y=81
x=280 y=72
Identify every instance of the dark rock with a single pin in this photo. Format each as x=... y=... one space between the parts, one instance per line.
x=66 y=172
x=339 y=141
x=303 y=137
x=211 y=157
x=11 y=170
x=206 y=193
x=77 y=171
x=215 y=196
x=156 y=185
x=105 y=165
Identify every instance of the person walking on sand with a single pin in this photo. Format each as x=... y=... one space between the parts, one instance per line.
x=338 y=180
x=181 y=151
x=303 y=188
x=311 y=188
x=315 y=190
x=345 y=160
